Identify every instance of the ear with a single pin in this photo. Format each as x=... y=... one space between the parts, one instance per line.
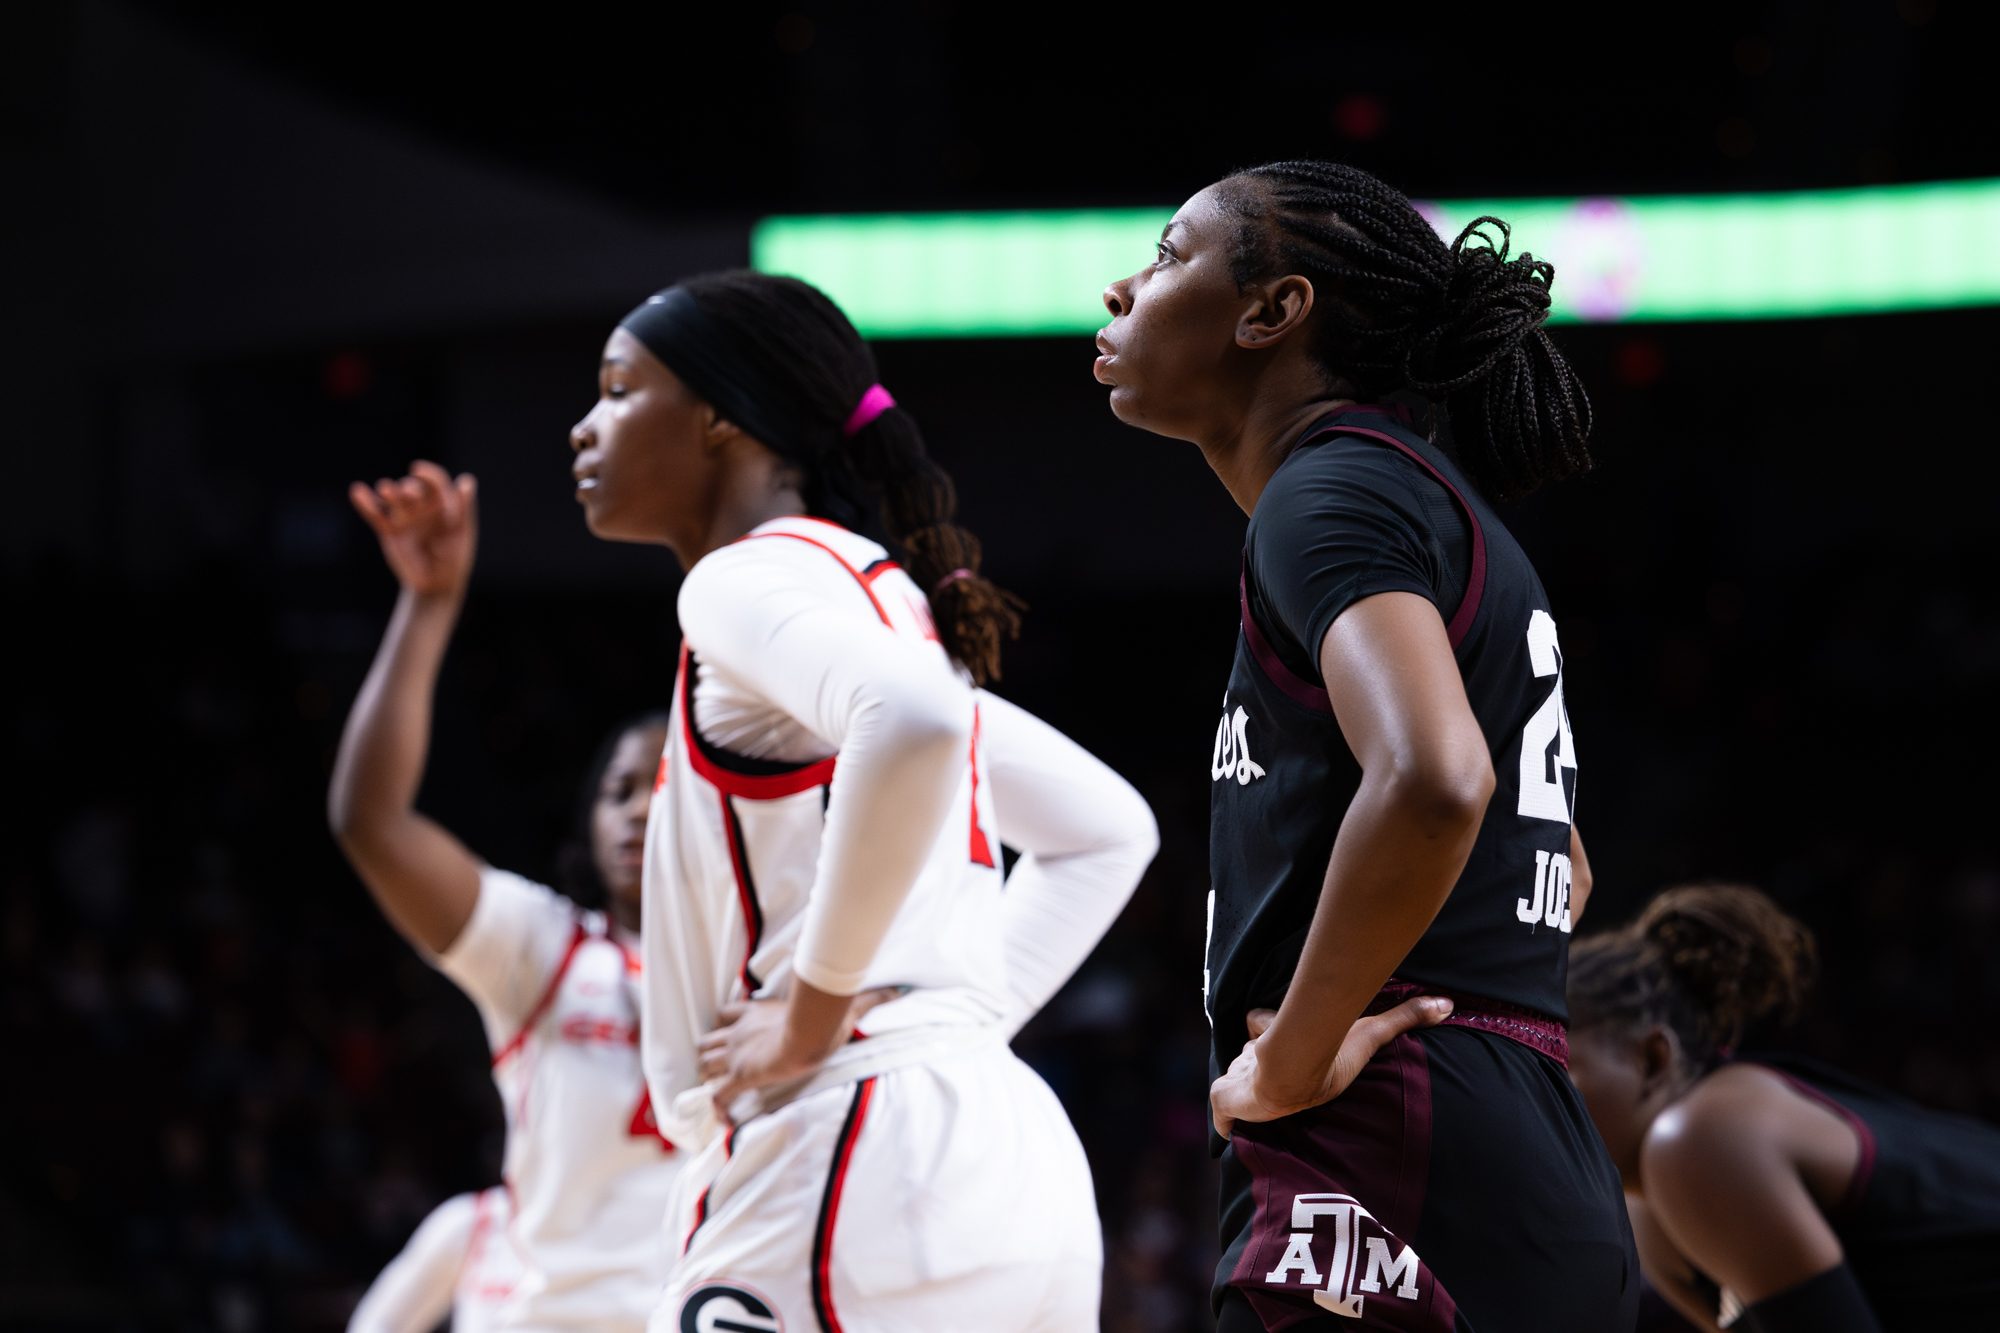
x=1659 y=1053
x=1282 y=305
x=717 y=431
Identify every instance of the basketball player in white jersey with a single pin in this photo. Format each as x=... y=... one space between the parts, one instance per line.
x=832 y=804
x=457 y=1265
x=587 y=1172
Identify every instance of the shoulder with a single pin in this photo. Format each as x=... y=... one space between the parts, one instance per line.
x=515 y=927
x=1740 y=1118
x=802 y=554
x=1343 y=470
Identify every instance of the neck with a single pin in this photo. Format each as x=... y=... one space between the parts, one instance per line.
x=745 y=497
x=1246 y=453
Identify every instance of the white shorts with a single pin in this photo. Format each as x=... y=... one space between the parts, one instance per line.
x=949 y=1195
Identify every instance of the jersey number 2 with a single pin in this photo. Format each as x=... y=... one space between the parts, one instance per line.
x=1543 y=795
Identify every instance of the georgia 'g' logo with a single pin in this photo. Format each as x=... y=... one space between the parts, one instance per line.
x=721 y=1307
x=1232 y=750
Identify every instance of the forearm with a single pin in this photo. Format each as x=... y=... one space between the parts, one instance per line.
x=1400 y=850
x=387 y=738
x=901 y=764
x=425 y=880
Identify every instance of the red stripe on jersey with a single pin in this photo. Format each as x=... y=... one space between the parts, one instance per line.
x=867 y=584
x=829 y=1207
x=748 y=786
x=701 y=1204
x=646 y=1125
x=982 y=851
x=541 y=1007
x=746 y=894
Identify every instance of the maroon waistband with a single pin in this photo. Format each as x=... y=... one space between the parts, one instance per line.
x=1536 y=1031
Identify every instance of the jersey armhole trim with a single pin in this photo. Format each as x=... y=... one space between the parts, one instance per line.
x=1864 y=1166
x=1461 y=620
x=1301 y=692
x=866 y=583
x=541 y=1007
x=740 y=775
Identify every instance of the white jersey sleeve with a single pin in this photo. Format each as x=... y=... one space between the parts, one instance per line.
x=509 y=951
x=1085 y=837
x=414 y=1293
x=894 y=708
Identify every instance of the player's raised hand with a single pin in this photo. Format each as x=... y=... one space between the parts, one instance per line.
x=1240 y=1095
x=428 y=524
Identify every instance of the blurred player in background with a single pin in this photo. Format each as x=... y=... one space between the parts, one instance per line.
x=587 y=1172
x=834 y=799
x=457 y=1265
x=1770 y=1192
x=1392 y=838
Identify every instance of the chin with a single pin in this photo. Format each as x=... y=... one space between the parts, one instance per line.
x=605 y=526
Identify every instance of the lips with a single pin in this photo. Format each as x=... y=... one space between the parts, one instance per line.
x=1106 y=355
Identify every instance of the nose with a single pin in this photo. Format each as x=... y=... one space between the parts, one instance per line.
x=1118 y=298
x=579 y=436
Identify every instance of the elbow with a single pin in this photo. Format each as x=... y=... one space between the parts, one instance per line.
x=927 y=726
x=1447 y=792
x=351 y=822
x=340 y=817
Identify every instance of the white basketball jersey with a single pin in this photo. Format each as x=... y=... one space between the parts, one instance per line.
x=732 y=848
x=587 y=1171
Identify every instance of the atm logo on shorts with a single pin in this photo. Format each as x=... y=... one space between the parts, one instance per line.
x=720 y=1307
x=1354 y=1254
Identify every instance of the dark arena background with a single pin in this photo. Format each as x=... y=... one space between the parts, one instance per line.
x=255 y=252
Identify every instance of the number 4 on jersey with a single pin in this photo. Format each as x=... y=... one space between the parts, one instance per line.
x=1544 y=794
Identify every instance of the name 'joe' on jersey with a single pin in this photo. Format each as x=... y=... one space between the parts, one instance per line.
x=1366 y=505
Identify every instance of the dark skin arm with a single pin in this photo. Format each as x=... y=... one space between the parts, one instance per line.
x=1667 y=1268
x=423 y=878
x=1737 y=1174
x=1426 y=779
x=1579 y=881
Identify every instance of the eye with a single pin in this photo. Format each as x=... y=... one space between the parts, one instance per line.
x=614 y=390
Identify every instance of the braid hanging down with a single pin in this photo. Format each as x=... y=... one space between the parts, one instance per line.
x=805 y=347
x=1459 y=324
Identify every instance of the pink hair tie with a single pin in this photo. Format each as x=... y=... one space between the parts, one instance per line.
x=873 y=404
x=952 y=578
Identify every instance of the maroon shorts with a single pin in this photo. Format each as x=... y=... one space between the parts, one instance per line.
x=1457 y=1184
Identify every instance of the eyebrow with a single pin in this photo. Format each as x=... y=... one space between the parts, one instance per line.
x=615 y=361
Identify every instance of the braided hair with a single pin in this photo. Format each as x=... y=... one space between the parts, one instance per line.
x=805 y=347
x=1460 y=324
x=1704 y=960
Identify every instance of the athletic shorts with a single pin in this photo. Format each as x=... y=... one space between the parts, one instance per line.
x=1457 y=1187
x=949 y=1195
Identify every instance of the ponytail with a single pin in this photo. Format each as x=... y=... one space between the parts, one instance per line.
x=1460 y=325
x=919 y=502
x=800 y=346
x=1705 y=960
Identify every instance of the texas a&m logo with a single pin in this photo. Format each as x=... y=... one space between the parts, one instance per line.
x=1231 y=758
x=1357 y=1251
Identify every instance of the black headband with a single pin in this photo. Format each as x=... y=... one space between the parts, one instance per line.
x=718 y=368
